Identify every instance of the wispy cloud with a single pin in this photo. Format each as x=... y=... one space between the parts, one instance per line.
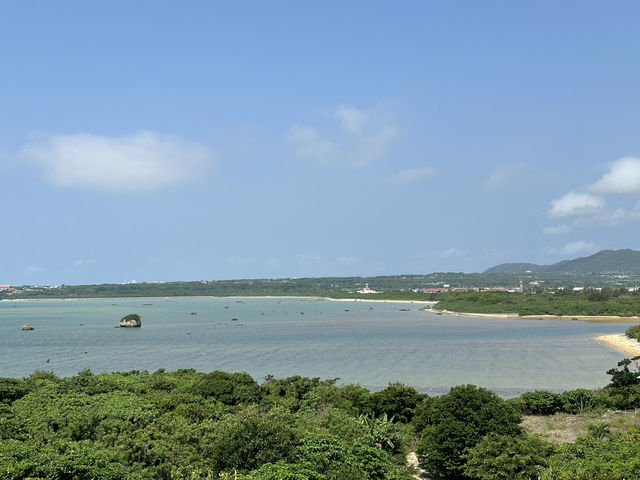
x=83 y=262
x=505 y=175
x=556 y=230
x=309 y=145
x=363 y=137
x=575 y=204
x=140 y=162
x=622 y=177
x=579 y=247
x=33 y=269
x=411 y=175
x=454 y=252
x=572 y=249
x=351 y=119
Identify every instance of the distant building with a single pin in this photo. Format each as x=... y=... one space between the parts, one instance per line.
x=366 y=289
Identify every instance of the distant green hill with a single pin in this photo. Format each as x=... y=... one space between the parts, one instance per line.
x=605 y=261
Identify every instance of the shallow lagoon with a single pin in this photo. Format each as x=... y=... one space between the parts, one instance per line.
x=371 y=344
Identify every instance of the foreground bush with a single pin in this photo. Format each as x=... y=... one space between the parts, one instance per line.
x=456 y=422
x=504 y=457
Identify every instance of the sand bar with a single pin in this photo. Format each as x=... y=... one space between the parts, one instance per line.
x=621 y=342
x=589 y=318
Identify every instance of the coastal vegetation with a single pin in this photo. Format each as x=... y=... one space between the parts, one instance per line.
x=390 y=287
x=190 y=425
x=593 y=302
x=633 y=332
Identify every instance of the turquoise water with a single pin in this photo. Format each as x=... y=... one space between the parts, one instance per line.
x=371 y=344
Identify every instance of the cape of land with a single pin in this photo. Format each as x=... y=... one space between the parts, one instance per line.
x=605 y=302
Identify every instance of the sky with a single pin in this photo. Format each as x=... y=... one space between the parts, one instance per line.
x=160 y=141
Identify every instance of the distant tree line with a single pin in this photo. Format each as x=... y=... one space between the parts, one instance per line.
x=392 y=286
x=604 y=302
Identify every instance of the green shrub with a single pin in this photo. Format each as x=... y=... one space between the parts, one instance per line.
x=228 y=388
x=540 y=402
x=576 y=401
x=250 y=438
x=397 y=402
x=633 y=332
x=456 y=422
x=506 y=457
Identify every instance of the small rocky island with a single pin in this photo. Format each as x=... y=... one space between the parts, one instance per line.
x=130 y=321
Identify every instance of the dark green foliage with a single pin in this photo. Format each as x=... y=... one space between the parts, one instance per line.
x=130 y=317
x=633 y=332
x=576 y=401
x=12 y=389
x=607 y=302
x=285 y=471
x=397 y=402
x=228 y=388
x=250 y=438
x=58 y=460
x=591 y=458
x=623 y=377
x=540 y=402
x=504 y=457
x=290 y=391
x=456 y=422
x=187 y=425
x=336 y=459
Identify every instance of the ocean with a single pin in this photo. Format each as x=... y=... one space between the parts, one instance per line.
x=369 y=343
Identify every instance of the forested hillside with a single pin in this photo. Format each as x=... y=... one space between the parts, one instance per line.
x=623 y=261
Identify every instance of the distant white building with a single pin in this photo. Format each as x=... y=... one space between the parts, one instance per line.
x=366 y=289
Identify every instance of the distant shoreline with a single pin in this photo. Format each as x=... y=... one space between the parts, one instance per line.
x=588 y=318
x=273 y=297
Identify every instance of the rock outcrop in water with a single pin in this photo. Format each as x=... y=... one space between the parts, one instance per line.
x=130 y=321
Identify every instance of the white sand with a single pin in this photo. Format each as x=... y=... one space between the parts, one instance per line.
x=620 y=342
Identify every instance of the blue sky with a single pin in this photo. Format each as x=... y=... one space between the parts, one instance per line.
x=214 y=140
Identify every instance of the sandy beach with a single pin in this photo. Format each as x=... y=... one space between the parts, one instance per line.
x=620 y=342
x=589 y=318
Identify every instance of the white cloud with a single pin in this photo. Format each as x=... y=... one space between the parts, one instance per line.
x=610 y=218
x=505 y=175
x=579 y=247
x=364 y=137
x=373 y=147
x=556 y=230
x=140 y=162
x=309 y=145
x=575 y=204
x=81 y=262
x=454 y=252
x=351 y=119
x=32 y=269
x=412 y=175
x=623 y=177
